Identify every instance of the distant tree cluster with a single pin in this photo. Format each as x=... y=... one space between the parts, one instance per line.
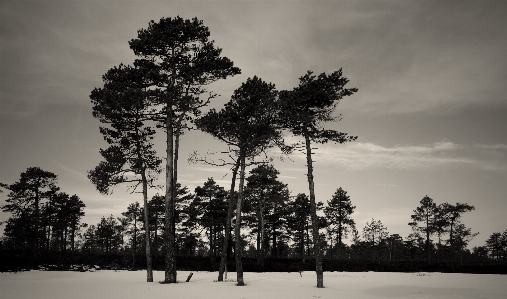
x=42 y=217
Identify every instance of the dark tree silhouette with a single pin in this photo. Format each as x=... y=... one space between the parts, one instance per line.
x=425 y=215
x=123 y=103
x=209 y=209
x=338 y=212
x=265 y=197
x=298 y=222
x=182 y=60
x=451 y=214
x=24 y=201
x=248 y=125
x=305 y=109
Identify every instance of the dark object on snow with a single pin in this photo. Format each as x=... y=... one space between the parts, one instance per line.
x=189 y=276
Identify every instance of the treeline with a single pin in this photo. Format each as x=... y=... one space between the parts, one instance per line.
x=278 y=235
x=278 y=226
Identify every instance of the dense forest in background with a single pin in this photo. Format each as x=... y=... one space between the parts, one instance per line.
x=45 y=229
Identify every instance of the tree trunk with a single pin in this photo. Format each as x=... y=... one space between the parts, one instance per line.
x=211 y=242
x=65 y=239
x=155 y=249
x=263 y=241
x=315 y=222
x=258 y=251
x=275 y=248
x=237 y=228
x=149 y=268
x=451 y=241
x=340 y=230
x=36 y=220
x=134 y=241
x=170 y=258
x=302 y=243
x=307 y=238
x=227 y=237
x=428 y=239
x=72 y=237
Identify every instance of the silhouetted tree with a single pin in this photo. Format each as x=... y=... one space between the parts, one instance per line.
x=264 y=196
x=209 y=209
x=497 y=245
x=35 y=187
x=375 y=233
x=248 y=125
x=462 y=237
x=124 y=104
x=305 y=109
x=424 y=221
x=338 y=212
x=132 y=216
x=182 y=60
x=451 y=215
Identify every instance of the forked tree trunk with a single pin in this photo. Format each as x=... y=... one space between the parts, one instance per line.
x=315 y=224
x=227 y=237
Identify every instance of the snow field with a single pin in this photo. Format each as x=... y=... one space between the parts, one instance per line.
x=348 y=285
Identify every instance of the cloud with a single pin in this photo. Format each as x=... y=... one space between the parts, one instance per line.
x=367 y=155
x=493 y=146
x=71 y=172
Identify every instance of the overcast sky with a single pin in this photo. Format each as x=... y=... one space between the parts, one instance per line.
x=430 y=113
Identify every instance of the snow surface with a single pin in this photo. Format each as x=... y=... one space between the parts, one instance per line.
x=348 y=285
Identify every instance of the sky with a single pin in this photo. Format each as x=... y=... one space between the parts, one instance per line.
x=430 y=113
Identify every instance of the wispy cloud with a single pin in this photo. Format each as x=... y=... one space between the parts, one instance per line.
x=73 y=173
x=493 y=146
x=367 y=155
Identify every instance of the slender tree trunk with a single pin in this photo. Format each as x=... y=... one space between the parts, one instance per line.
x=149 y=267
x=65 y=239
x=36 y=220
x=170 y=258
x=227 y=237
x=263 y=242
x=315 y=222
x=155 y=249
x=258 y=251
x=451 y=241
x=340 y=235
x=134 y=241
x=237 y=229
x=307 y=238
x=428 y=239
x=210 y=236
x=302 y=243
x=275 y=248
x=72 y=237
x=175 y=174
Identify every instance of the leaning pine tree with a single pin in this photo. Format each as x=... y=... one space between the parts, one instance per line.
x=182 y=62
x=304 y=110
x=123 y=104
x=248 y=124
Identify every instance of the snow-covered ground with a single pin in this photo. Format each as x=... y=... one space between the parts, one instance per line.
x=347 y=285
